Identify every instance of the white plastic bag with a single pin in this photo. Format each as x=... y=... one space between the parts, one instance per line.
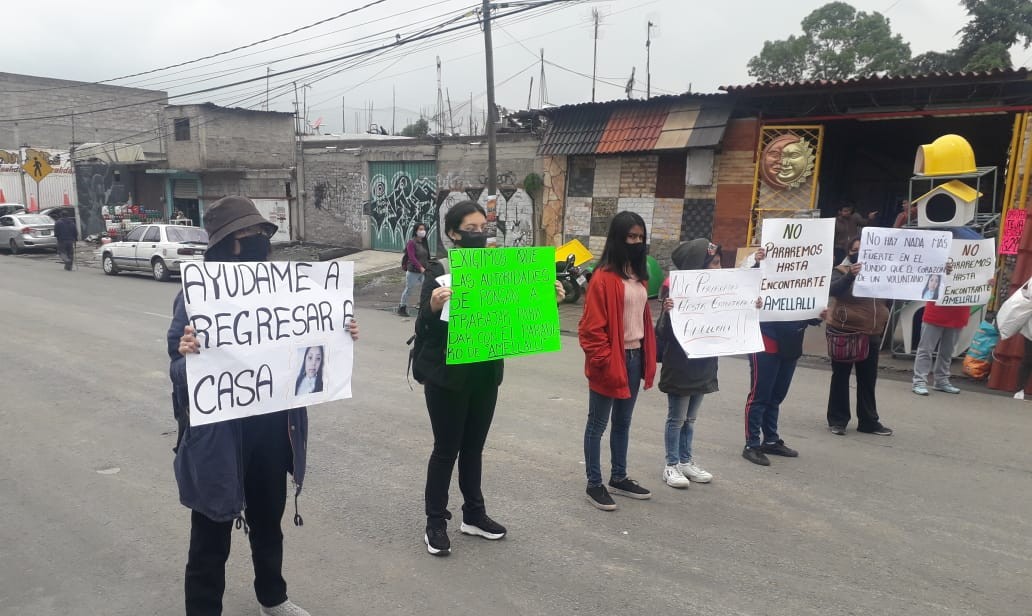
x=1015 y=313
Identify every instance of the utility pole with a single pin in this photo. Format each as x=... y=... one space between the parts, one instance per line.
x=268 y=71
x=492 y=161
x=542 y=85
x=343 y=116
x=594 y=64
x=648 y=61
x=530 y=93
x=440 y=101
x=451 y=118
x=394 y=109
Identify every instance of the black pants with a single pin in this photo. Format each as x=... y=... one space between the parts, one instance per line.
x=65 y=250
x=266 y=458
x=1026 y=367
x=866 y=379
x=460 y=421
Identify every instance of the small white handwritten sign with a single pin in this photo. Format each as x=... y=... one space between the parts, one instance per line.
x=715 y=311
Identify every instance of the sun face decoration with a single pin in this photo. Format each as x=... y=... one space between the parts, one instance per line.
x=787 y=162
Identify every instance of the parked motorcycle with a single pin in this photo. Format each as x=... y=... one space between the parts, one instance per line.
x=572 y=278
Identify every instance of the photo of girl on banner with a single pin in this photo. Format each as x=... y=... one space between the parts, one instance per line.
x=310 y=375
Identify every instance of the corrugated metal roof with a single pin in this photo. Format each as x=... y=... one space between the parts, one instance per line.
x=633 y=130
x=662 y=123
x=575 y=133
x=872 y=80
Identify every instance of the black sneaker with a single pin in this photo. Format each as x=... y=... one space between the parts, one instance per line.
x=482 y=526
x=754 y=455
x=436 y=539
x=839 y=430
x=879 y=429
x=779 y=449
x=599 y=497
x=629 y=488
x=403 y=311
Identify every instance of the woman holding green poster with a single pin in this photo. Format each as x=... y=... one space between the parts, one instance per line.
x=459 y=398
x=619 y=353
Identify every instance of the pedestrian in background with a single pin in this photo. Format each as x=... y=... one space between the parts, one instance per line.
x=855 y=315
x=240 y=465
x=460 y=399
x=67 y=234
x=619 y=343
x=683 y=379
x=417 y=253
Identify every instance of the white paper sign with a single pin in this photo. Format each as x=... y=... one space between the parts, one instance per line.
x=797 y=268
x=974 y=265
x=902 y=263
x=445 y=281
x=273 y=336
x=715 y=311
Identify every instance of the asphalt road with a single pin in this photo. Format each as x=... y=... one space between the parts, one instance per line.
x=933 y=520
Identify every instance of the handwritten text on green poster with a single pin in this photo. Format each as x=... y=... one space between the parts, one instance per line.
x=503 y=304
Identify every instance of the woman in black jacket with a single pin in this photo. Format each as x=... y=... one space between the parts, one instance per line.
x=460 y=398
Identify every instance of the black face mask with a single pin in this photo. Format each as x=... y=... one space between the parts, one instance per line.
x=636 y=251
x=254 y=248
x=472 y=239
x=853 y=255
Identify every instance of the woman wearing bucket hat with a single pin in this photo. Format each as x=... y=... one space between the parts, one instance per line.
x=235 y=466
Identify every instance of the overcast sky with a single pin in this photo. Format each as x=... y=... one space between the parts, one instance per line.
x=701 y=43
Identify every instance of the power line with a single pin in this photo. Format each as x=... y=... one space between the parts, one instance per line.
x=221 y=53
x=398 y=43
x=195 y=79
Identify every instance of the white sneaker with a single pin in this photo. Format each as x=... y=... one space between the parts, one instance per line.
x=287 y=608
x=695 y=473
x=673 y=478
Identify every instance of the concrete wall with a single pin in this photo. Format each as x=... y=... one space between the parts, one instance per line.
x=23 y=96
x=337 y=186
x=222 y=138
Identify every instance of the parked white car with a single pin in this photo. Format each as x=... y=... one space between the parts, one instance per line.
x=21 y=231
x=160 y=249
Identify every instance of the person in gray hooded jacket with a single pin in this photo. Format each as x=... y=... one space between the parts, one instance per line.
x=684 y=380
x=234 y=471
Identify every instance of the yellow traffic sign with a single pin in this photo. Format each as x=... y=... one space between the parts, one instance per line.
x=37 y=165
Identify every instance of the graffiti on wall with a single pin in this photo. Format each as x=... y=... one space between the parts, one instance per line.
x=344 y=197
x=510 y=220
x=397 y=204
x=99 y=185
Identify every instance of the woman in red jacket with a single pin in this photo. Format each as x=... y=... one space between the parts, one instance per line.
x=619 y=345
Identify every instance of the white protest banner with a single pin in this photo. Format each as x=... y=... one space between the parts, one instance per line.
x=973 y=266
x=902 y=263
x=715 y=311
x=272 y=335
x=797 y=268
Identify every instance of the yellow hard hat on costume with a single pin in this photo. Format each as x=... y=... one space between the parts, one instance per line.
x=947 y=155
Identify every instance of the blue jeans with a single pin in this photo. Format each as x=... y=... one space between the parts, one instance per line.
x=599 y=409
x=771 y=377
x=680 y=427
x=413 y=282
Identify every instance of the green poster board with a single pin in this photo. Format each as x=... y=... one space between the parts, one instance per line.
x=503 y=304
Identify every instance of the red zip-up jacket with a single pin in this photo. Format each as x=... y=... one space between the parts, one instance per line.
x=601 y=336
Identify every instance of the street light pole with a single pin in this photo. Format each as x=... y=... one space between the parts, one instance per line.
x=492 y=162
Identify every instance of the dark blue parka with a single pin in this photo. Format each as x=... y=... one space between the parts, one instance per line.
x=209 y=465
